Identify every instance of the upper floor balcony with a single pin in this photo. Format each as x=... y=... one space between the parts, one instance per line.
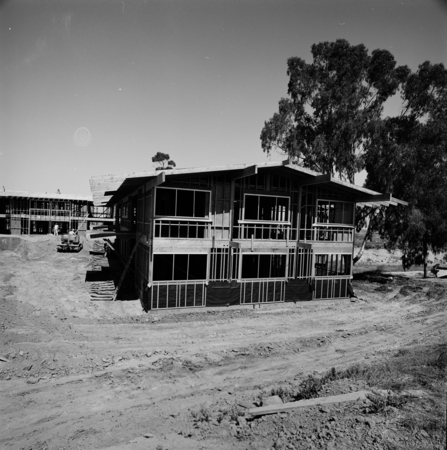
x=264 y=230
x=182 y=228
x=322 y=232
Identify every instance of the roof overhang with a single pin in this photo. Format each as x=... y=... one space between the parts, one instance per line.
x=362 y=196
x=110 y=189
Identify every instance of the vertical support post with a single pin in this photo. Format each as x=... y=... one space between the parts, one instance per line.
x=150 y=235
x=232 y=199
x=298 y=220
x=208 y=265
x=29 y=216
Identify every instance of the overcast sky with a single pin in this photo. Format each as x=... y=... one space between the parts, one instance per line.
x=91 y=87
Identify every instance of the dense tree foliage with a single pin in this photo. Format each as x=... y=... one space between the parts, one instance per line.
x=323 y=122
x=162 y=161
x=332 y=122
x=408 y=157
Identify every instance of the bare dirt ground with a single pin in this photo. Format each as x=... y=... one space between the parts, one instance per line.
x=77 y=374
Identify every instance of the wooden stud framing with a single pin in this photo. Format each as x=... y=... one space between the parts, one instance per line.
x=220 y=247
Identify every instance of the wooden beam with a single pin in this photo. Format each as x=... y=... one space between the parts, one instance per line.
x=373 y=204
x=104 y=227
x=99 y=219
x=400 y=202
x=109 y=234
x=378 y=199
x=156 y=181
x=373 y=198
x=319 y=179
x=247 y=172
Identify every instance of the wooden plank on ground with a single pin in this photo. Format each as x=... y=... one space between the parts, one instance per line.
x=291 y=406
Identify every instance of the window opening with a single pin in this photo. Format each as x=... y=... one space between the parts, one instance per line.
x=332 y=265
x=179 y=267
x=265 y=217
x=174 y=202
x=266 y=208
x=329 y=211
x=263 y=266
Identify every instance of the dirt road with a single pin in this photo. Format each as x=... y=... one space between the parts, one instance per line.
x=78 y=374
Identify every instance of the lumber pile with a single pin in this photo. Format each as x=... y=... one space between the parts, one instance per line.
x=102 y=290
x=98 y=253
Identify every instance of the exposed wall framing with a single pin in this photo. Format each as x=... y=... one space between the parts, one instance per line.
x=249 y=234
x=29 y=214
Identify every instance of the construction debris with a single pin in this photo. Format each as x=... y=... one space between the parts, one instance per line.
x=102 y=290
x=98 y=253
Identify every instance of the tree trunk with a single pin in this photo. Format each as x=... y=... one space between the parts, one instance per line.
x=425 y=250
x=367 y=235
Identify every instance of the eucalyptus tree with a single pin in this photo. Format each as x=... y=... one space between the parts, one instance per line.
x=323 y=122
x=407 y=155
x=162 y=161
x=332 y=121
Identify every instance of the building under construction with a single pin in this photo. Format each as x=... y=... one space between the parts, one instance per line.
x=240 y=234
x=36 y=213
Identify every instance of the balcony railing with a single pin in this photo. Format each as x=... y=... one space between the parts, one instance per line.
x=327 y=233
x=245 y=230
x=182 y=229
x=264 y=230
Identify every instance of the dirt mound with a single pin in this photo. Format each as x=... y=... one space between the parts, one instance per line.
x=10 y=243
x=29 y=247
x=437 y=292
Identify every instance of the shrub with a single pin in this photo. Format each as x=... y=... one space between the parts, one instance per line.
x=231 y=413
x=285 y=393
x=381 y=404
x=202 y=415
